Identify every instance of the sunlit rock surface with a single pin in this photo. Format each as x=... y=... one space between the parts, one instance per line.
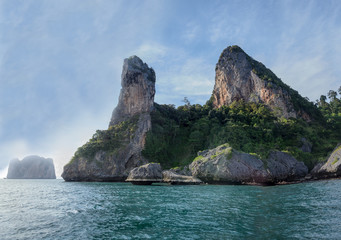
x=239 y=77
x=225 y=165
x=331 y=168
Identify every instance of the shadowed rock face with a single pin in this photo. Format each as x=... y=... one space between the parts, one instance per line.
x=237 y=79
x=225 y=165
x=135 y=103
x=31 y=167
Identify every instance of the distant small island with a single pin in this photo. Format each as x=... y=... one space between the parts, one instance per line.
x=31 y=167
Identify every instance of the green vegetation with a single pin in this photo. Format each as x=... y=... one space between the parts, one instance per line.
x=198 y=158
x=335 y=161
x=179 y=133
x=235 y=49
x=331 y=110
x=111 y=140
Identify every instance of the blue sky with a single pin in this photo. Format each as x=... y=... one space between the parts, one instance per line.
x=60 y=61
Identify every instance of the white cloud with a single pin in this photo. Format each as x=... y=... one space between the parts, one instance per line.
x=191 y=32
x=308 y=51
x=194 y=78
x=18 y=148
x=151 y=52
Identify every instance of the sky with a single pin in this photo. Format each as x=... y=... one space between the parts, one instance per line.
x=61 y=61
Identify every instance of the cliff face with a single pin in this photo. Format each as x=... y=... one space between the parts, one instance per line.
x=31 y=167
x=138 y=90
x=239 y=77
x=111 y=154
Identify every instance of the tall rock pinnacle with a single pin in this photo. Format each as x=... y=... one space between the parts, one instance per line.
x=138 y=90
x=239 y=77
x=112 y=153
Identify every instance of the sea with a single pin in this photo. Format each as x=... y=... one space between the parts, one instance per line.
x=54 y=209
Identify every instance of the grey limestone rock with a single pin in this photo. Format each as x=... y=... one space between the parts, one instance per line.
x=137 y=92
x=236 y=80
x=145 y=174
x=31 y=167
x=172 y=177
x=331 y=168
x=224 y=165
x=284 y=167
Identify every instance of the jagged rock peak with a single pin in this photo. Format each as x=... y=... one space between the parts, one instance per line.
x=138 y=90
x=240 y=77
x=134 y=64
x=231 y=53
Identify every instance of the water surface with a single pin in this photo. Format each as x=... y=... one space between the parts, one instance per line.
x=54 y=209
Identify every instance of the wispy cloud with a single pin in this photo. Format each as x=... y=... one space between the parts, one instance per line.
x=191 y=31
x=191 y=77
x=152 y=53
x=307 y=51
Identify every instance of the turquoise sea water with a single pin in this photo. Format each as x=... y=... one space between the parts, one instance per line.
x=54 y=209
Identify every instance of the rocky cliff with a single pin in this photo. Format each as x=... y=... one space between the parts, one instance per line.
x=178 y=133
x=112 y=153
x=239 y=77
x=31 y=167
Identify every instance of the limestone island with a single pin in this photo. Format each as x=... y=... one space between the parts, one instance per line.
x=31 y=167
x=254 y=129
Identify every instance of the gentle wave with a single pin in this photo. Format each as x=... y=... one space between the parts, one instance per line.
x=54 y=209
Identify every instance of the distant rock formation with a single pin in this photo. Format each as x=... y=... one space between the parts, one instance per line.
x=31 y=167
x=226 y=165
x=112 y=153
x=239 y=77
x=331 y=168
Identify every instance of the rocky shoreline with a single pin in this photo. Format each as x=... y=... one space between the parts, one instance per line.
x=225 y=166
